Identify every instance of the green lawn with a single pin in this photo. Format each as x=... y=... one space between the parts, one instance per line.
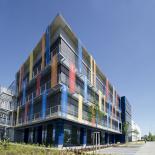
x=28 y=149
x=21 y=149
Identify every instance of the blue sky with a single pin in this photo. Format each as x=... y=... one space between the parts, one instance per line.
x=119 y=34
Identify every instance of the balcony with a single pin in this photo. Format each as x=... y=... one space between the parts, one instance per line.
x=58 y=112
x=51 y=113
x=5 y=122
x=46 y=86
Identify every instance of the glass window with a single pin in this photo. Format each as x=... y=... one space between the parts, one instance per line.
x=67 y=135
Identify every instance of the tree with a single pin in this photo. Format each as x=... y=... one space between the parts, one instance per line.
x=95 y=112
x=149 y=137
x=125 y=127
x=135 y=131
x=125 y=130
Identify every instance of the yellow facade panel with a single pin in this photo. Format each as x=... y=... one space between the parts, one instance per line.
x=31 y=66
x=80 y=106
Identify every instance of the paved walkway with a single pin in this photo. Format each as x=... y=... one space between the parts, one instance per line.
x=147 y=149
x=130 y=149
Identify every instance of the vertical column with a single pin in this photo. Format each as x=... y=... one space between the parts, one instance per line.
x=113 y=138
x=31 y=108
x=115 y=98
x=43 y=52
x=110 y=119
x=111 y=122
x=50 y=134
x=85 y=89
x=79 y=56
x=93 y=116
x=17 y=119
x=44 y=98
x=108 y=116
x=24 y=93
x=47 y=35
x=96 y=117
x=91 y=70
x=30 y=136
x=19 y=88
x=100 y=104
x=38 y=85
x=117 y=101
x=118 y=125
x=94 y=73
x=64 y=98
x=44 y=131
x=83 y=136
x=107 y=96
x=104 y=103
x=12 y=119
x=35 y=134
x=26 y=111
x=107 y=89
x=21 y=77
x=72 y=78
x=107 y=121
x=113 y=95
x=31 y=66
x=107 y=138
x=39 y=134
x=100 y=100
x=113 y=105
x=6 y=120
x=80 y=105
x=54 y=69
x=59 y=137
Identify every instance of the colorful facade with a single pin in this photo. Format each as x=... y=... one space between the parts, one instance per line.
x=62 y=95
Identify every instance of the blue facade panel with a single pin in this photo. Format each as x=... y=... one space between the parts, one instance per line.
x=64 y=98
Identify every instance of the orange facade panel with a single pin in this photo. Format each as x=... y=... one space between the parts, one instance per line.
x=54 y=69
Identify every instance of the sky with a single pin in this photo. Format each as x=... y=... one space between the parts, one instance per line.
x=120 y=34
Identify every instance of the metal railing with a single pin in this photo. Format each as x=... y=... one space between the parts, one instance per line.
x=45 y=86
x=56 y=111
x=4 y=122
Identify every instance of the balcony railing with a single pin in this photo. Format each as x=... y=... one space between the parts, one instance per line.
x=55 y=111
x=4 y=122
x=58 y=111
x=45 y=86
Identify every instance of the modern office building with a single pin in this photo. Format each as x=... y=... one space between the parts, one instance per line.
x=126 y=119
x=62 y=95
x=136 y=132
x=7 y=101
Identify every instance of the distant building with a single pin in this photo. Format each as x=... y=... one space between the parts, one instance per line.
x=6 y=107
x=126 y=119
x=136 y=132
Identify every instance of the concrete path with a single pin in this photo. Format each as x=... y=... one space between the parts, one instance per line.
x=130 y=149
x=119 y=150
x=147 y=149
